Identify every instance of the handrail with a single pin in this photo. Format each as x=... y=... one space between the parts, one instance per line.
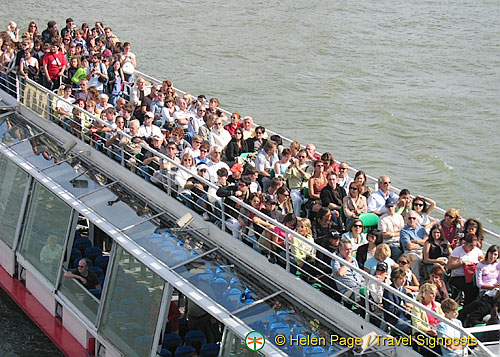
x=366 y=276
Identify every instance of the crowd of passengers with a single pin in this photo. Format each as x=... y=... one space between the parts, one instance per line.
x=426 y=258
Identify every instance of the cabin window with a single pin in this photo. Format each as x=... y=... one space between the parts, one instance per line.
x=13 y=182
x=45 y=230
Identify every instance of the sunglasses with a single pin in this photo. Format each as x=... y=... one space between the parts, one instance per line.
x=358 y=226
x=301 y=157
x=418 y=204
x=386 y=183
x=353 y=188
x=411 y=218
x=403 y=262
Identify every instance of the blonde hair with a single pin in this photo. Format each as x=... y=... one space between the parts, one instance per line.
x=382 y=252
x=426 y=288
x=452 y=212
x=307 y=225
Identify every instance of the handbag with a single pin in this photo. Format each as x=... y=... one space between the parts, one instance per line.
x=128 y=68
x=469 y=271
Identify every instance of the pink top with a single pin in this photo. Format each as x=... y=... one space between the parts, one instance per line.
x=487 y=274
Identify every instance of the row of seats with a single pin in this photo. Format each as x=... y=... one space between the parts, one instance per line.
x=172 y=344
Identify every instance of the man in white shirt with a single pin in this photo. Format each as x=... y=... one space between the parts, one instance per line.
x=182 y=116
x=344 y=180
x=376 y=201
x=218 y=135
x=103 y=102
x=216 y=163
x=148 y=130
x=264 y=162
x=391 y=223
x=247 y=127
x=197 y=121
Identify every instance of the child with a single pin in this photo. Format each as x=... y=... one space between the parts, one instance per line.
x=450 y=309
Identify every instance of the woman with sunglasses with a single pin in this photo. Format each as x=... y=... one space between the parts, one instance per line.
x=355 y=234
x=182 y=176
x=284 y=203
x=354 y=203
x=411 y=282
x=33 y=30
x=436 y=249
x=235 y=147
x=317 y=182
x=451 y=225
x=424 y=206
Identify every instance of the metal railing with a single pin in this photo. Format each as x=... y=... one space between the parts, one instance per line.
x=43 y=103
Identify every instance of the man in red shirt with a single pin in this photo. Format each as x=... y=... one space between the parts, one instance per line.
x=54 y=65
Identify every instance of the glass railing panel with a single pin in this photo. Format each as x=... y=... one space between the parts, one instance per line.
x=118 y=206
x=45 y=231
x=14 y=129
x=13 y=182
x=281 y=315
x=226 y=281
x=170 y=245
x=76 y=177
x=41 y=151
x=132 y=305
x=83 y=300
x=234 y=346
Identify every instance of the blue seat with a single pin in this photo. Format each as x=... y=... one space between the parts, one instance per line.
x=102 y=262
x=206 y=277
x=141 y=315
x=82 y=244
x=296 y=349
x=195 y=338
x=210 y=350
x=285 y=315
x=221 y=274
x=184 y=351
x=92 y=253
x=75 y=263
x=249 y=294
x=143 y=345
x=316 y=351
x=279 y=328
x=219 y=286
x=96 y=292
x=75 y=254
x=165 y=353
x=232 y=301
x=171 y=341
x=101 y=281
x=128 y=304
x=130 y=331
x=98 y=271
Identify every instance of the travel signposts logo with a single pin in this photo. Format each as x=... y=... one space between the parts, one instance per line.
x=255 y=341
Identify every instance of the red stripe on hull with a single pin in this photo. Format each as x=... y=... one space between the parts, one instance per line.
x=51 y=326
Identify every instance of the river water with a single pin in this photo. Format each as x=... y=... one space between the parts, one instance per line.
x=408 y=89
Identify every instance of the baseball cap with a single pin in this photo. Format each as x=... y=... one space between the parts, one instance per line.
x=391 y=201
x=237 y=168
x=149 y=114
x=382 y=266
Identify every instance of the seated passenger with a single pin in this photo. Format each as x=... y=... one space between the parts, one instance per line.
x=355 y=234
x=376 y=201
x=353 y=204
x=216 y=163
x=253 y=174
x=450 y=224
x=348 y=280
x=360 y=178
x=255 y=143
x=411 y=283
x=284 y=204
x=234 y=124
x=194 y=148
x=488 y=270
x=436 y=277
x=218 y=135
x=330 y=163
x=242 y=192
x=437 y=249
x=248 y=128
x=344 y=180
x=424 y=206
x=322 y=225
x=412 y=239
x=396 y=312
x=264 y=163
x=182 y=176
x=391 y=223
x=283 y=164
x=182 y=115
x=403 y=204
x=252 y=224
x=312 y=155
x=445 y=331
x=473 y=226
x=297 y=176
x=317 y=182
x=331 y=243
x=148 y=129
x=236 y=147
x=86 y=277
x=424 y=323
x=151 y=162
x=203 y=157
x=303 y=253
x=382 y=255
x=462 y=263
x=50 y=255
x=331 y=195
